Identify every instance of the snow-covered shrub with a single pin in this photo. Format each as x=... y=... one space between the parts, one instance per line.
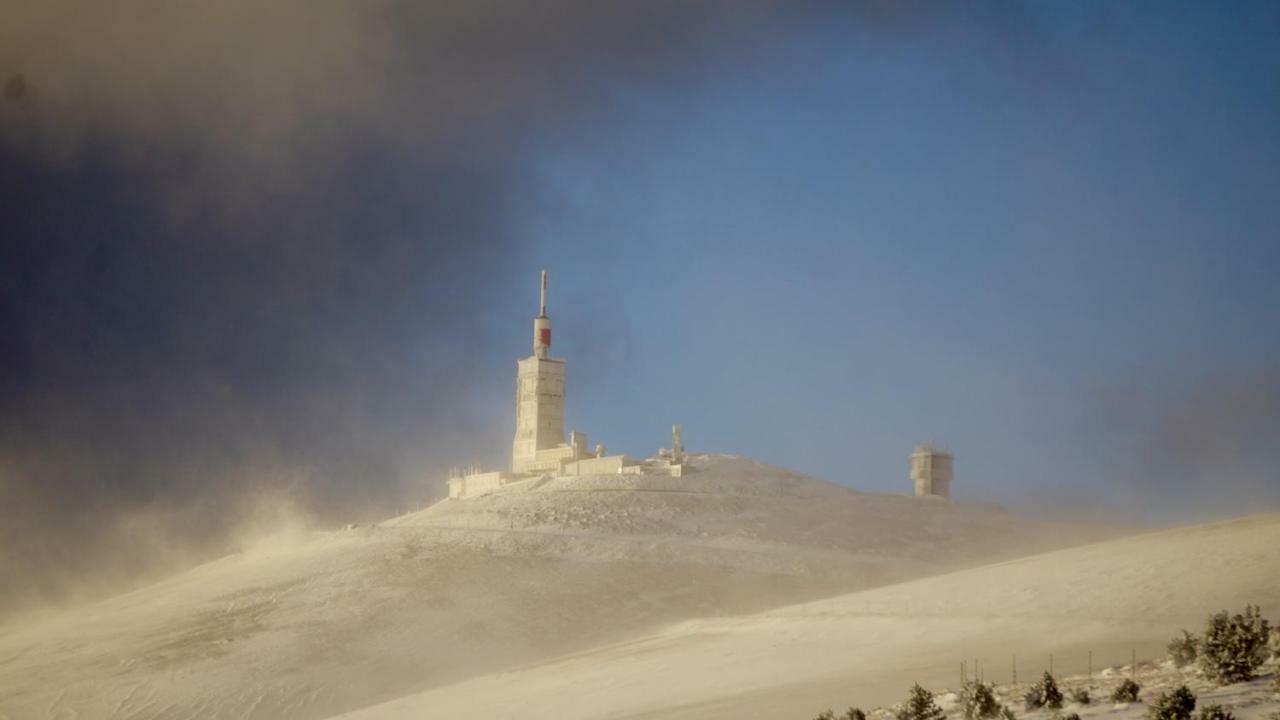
x=1006 y=713
x=850 y=714
x=1126 y=692
x=1079 y=696
x=1214 y=712
x=1177 y=704
x=1031 y=701
x=978 y=701
x=1234 y=646
x=1182 y=650
x=1044 y=694
x=920 y=705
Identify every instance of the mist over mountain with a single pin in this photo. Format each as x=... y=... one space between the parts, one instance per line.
x=266 y=266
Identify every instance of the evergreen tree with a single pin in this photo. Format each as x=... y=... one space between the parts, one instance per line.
x=1126 y=692
x=1052 y=695
x=1044 y=694
x=854 y=714
x=1175 y=705
x=1182 y=650
x=1233 y=647
x=1214 y=712
x=978 y=701
x=920 y=706
x=1034 y=698
x=1079 y=696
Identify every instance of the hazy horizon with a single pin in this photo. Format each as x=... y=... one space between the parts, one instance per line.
x=293 y=253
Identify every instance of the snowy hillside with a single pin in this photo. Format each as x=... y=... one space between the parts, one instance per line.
x=315 y=625
x=742 y=513
x=1110 y=599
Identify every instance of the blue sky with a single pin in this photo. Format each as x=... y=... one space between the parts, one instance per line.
x=858 y=243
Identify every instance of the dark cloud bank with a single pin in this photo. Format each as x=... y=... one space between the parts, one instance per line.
x=248 y=252
x=252 y=254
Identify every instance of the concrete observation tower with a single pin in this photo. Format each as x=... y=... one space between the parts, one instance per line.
x=539 y=443
x=539 y=449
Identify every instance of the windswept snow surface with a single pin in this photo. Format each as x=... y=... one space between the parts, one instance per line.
x=865 y=649
x=329 y=622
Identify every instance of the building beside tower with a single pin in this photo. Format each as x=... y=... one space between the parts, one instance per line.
x=539 y=449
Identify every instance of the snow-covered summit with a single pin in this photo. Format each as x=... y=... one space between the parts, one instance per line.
x=340 y=620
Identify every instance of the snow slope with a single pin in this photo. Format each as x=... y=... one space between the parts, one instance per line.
x=1112 y=599
x=316 y=625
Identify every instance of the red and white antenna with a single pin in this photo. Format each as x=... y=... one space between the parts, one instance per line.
x=542 y=324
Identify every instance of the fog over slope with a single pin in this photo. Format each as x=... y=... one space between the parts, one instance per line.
x=315 y=624
x=255 y=252
x=244 y=250
x=1111 y=599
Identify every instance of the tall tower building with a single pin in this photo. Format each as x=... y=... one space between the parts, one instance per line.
x=931 y=471
x=539 y=402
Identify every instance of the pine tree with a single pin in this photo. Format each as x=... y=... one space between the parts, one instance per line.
x=1044 y=694
x=978 y=701
x=1034 y=698
x=1182 y=650
x=1079 y=696
x=1175 y=705
x=1233 y=647
x=1214 y=712
x=1051 y=694
x=920 y=706
x=1126 y=692
x=854 y=714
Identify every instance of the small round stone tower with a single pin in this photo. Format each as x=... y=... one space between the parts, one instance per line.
x=931 y=469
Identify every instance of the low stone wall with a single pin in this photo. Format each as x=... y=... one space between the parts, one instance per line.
x=478 y=484
x=609 y=465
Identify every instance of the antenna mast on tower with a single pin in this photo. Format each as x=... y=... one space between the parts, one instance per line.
x=542 y=311
x=542 y=324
